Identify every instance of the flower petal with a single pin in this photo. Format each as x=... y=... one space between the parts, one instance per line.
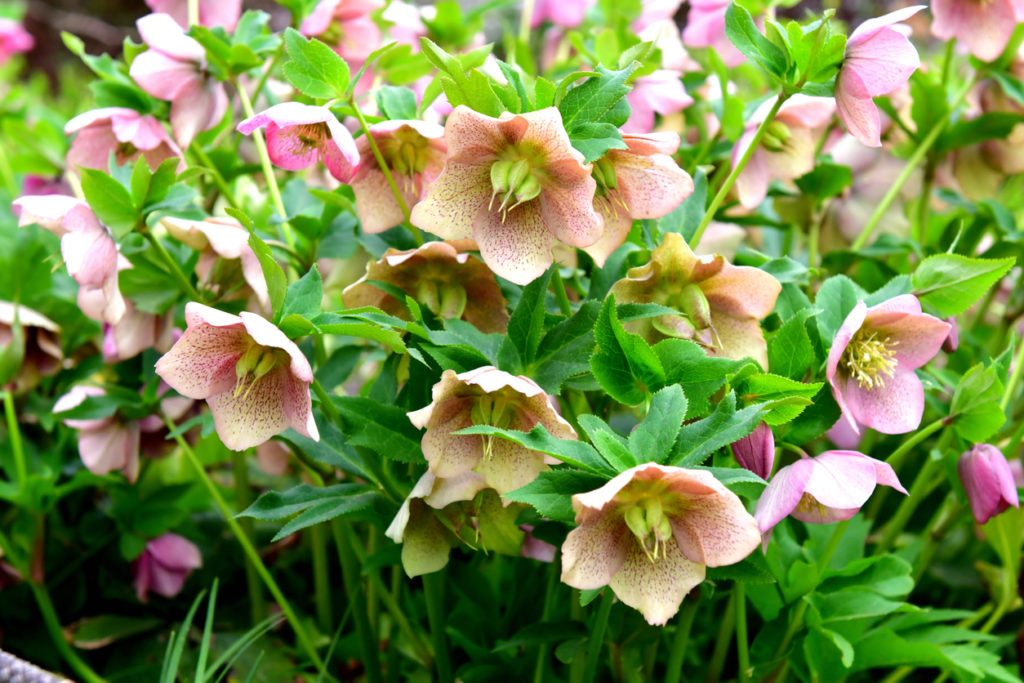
x=593 y=552
x=454 y=201
x=449 y=455
x=895 y=407
x=518 y=249
x=202 y=362
x=657 y=588
x=254 y=415
x=782 y=494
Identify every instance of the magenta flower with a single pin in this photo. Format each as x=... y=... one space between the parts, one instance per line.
x=164 y=566
x=414 y=152
x=660 y=92
x=516 y=186
x=125 y=133
x=756 y=451
x=223 y=13
x=562 y=13
x=255 y=379
x=13 y=39
x=988 y=481
x=649 y=534
x=787 y=147
x=487 y=396
x=174 y=69
x=879 y=59
x=828 y=488
x=705 y=27
x=985 y=26
x=300 y=134
x=641 y=181
x=105 y=444
x=346 y=26
x=872 y=361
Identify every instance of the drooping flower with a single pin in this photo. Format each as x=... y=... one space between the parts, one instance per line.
x=164 y=566
x=346 y=26
x=104 y=444
x=13 y=39
x=406 y=23
x=300 y=134
x=879 y=59
x=414 y=152
x=42 y=355
x=660 y=92
x=988 y=481
x=828 y=488
x=872 y=361
x=487 y=396
x=451 y=284
x=125 y=133
x=720 y=304
x=787 y=148
x=174 y=69
x=516 y=186
x=223 y=245
x=642 y=181
x=985 y=26
x=705 y=27
x=756 y=451
x=562 y=13
x=649 y=534
x=255 y=379
x=135 y=332
x=223 y=13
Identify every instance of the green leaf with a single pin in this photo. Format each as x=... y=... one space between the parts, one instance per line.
x=790 y=352
x=836 y=298
x=951 y=283
x=327 y=510
x=744 y=34
x=774 y=389
x=566 y=348
x=304 y=295
x=608 y=442
x=551 y=492
x=993 y=125
x=825 y=181
x=974 y=410
x=654 y=437
x=385 y=429
x=274 y=505
x=593 y=139
x=525 y=326
x=624 y=364
x=141 y=176
x=594 y=99
x=396 y=102
x=700 y=375
x=277 y=283
x=569 y=451
x=93 y=633
x=700 y=439
x=110 y=201
x=314 y=68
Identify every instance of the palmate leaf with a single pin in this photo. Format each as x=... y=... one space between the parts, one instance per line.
x=725 y=425
x=624 y=364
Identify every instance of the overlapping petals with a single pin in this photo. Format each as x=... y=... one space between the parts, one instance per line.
x=125 y=133
x=985 y=27
x=164 y=566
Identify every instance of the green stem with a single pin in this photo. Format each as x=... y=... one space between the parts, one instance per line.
x=250 y=551
x=386 y=170
x=268 y=168
x=7 y=175
x=240 y=466
x=14 y=433
x=560 y=294
x=321 y=577
x=722 y=642
x=433 y=586
x=922 y=149
x=896 y=459
x=596 y=641
x=172 y=266
x=577 y=663
x=742 y=644
x=53 y=627
x=545 y=615
x=354 y=590
x=681 y=639
x=709 y=214
x=218 y=179
x=266 y=72
x=923 y=484
x=1011 y=384
x=525 y=19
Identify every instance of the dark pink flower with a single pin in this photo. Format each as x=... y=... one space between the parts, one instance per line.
x=988 y=481
x=223 y=13
x=872 y=361
x=174 y=69
x=985 y=26
x=879 y=59
x=300 y=134
x=164 y=566
x=255 y=379
x=125 y=133
x=346 y=26
x=13 y=39
x=660 y=92
x=756 y=452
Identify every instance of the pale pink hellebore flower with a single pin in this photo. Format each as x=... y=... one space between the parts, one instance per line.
x=164 y=566
x=124 y=132
x=654 y=11
x=174 y=69
x=104 y=444
x=756 y=451
x=828 y=488
x=415 y=154
x=13 y=39
x=879 y=59
x=516 y=186
x=985 y=26
x=43 y=354
x=300 y=134
x=136 y=332
x=988 y=481
x=872 y=361
x=255 y=379
x=705 y=27
x=641 y=181
x=659 y=92
x=212 y=13
x=487 y=396
x=561 y=13
x=649 y=534
x=787 y=147
x=406 y=23
x=346 y=26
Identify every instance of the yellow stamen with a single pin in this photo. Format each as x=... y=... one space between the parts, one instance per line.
x=870 y=359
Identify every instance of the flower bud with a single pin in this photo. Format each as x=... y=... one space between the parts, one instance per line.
x=756 y=452
x=695 y=305
x=988 y=481
x=953 y=340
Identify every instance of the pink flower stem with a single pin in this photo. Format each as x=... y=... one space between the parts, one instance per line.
x=896 y=459
x=7 y=175
x=525 y=18
x=730 y=180
x=60 y=642
x=553 y=570
x=386 y=170
x=722 y=641
x=681 y=639
x=20 y=471
x=250 y=551
x=560 y=294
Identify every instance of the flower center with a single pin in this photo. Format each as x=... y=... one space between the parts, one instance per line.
x=810 y=506
x=776 y=136
x=869 y=359
x=406 y=152
x=694 y=323
x=607 y=195
x=516 y=177
x=254 y=364
x=495 y=410
x=647 y=520
x=309 y=136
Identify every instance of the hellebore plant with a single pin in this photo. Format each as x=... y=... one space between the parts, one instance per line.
x=119 y=131
x=984 y=27
x=988 y=482
x=165 y=565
